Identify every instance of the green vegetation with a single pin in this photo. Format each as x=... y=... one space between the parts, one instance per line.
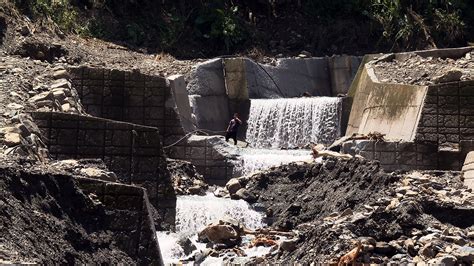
x=61 y=12
x=225 y=25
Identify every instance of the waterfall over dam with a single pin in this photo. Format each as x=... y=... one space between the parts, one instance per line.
x=294 y=122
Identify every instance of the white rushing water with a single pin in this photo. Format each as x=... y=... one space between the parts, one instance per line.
x=252 y=160
x=194 y=213
x=294 y=122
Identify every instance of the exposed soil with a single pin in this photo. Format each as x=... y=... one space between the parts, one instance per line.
x=45 y=218
x=22 y=37
x=423 y=71
x=397 y=217
x=322 y=189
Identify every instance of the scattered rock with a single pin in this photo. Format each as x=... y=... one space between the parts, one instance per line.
x=99 y=174
x=41 y=97
x=444 y=259
x=61 y=83
x=464 y=254
x=415 y=69
x=289 y=244
x=244 y=194
x=384 y=248
x=449 y=76
x=15 y=106
x=12 y=139
x=233 y=185
x=186 y=180
x=61 y=74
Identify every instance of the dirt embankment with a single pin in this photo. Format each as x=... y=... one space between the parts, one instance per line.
x=297 y=194
x=46 y=218
x=398 y=218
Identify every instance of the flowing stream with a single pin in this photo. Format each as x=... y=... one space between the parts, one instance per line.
x=252 y=160
x=273 y=125
x=194 y=213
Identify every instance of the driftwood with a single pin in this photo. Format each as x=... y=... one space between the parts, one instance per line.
x=318 y=151
x=268 y=232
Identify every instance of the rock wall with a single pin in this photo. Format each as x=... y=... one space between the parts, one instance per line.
x=130 y=220
x=130 y=97
x=447 y=117
x=213 y=158
x=401 y=155
x=133 y=152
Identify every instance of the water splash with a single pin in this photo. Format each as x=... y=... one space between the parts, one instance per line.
x=295 y=122
x=252 y=160
x=194 y=213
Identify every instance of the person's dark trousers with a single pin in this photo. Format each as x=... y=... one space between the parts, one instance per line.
x=231 y=135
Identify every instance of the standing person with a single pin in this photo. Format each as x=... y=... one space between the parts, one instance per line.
x=232 y=129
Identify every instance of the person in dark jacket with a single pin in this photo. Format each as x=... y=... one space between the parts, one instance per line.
x=233 y=128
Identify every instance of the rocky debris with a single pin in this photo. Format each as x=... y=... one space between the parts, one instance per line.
x=95 y=52
x=296 y=188
x=39 y=49
x=304 y=54
x=337 y=144
x=425 y=71
x=320 y=151
x=99 y=174
x=47 y=219
x=24 y=138
x=186 y=180
x=448 y=76
x=60 y=96
x=89 y=168
x=235 y=189
x=398 y=218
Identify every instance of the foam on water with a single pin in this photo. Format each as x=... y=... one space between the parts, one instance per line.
x=252 y=160
x=194 y=213
x=294 y=122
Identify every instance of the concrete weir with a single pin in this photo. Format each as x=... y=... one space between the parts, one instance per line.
x=220 y=87
x=425 y=127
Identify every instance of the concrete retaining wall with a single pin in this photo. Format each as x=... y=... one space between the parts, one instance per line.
x=164 y=104
x=213 y=158
x=399 y=155
x=291 y=77
x=207 y=94
x=447 y=117
x=132 y=151
x=437 y=117
x=391 y=109
x=130 y=97
x=131 y=219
